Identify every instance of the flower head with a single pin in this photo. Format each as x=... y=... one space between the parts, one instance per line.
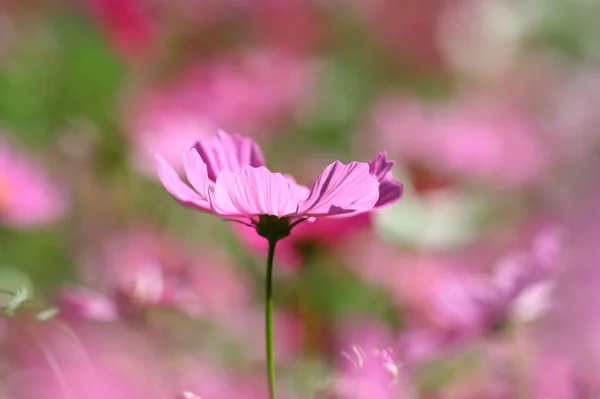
x=230 y=180
x=29 y=197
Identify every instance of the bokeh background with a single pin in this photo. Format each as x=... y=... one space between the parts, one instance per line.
x=482 y=282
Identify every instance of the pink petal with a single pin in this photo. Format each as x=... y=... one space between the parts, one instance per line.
x=342 y=189
x=301 y=192
x=177 y=188
x=229 y=152
x=253 y=192
x=379 y=166
x=196 y=172
x=390 y=191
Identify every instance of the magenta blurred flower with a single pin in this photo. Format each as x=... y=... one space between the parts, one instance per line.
x=136 y=270
x=472 y=140
x=246 y=93
x=80 y=303
x=572 y=324
x=127 y=24
x=369 y=368
x=230 y=180
x=374 y=375
x=88 y=362
x=187 y=395
x=29 y=198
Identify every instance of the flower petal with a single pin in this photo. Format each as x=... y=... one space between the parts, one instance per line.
x=229 y=152
x=253 y=192
x=301 y=192
x=380 y=166
x=341 y=189
x=196 y=172
x=178 y=189
x=390 y=191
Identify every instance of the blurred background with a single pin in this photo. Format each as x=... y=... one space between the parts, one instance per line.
x=482 y=282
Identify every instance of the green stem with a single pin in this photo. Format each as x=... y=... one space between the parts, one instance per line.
x=269 y=321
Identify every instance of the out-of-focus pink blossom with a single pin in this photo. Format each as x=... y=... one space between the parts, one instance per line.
x=89 y=362
x=249 y=94
x=554 y=376
x=136 y=266
x=369 y=367
x=141 y=269
x=480 y=141
x=29 y=198
x=230 y=180
x=211 y=289
x=449 y=295
x=572 y=325
x=418 y=346
x=87 y=304
x=434 y=291
x=128 y=24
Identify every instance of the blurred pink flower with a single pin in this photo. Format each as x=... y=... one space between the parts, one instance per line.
x=89 y=362
x=472 y=140
x=231 y=181
x=80 y=303
x=417 y=346
x=29 y=198
x=211 y=289
x=248 y=94
x=140 y=270
x=554 y=377
x=369 y=368
x=128 y=24
x=457 y=297
x=572 y=325
x=135 y=267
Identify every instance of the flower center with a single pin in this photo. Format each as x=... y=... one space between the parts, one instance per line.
x=273 y=227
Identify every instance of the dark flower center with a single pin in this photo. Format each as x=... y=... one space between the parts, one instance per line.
x=273 y=228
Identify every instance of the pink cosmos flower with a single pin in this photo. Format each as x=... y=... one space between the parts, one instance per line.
x=138 y=269
x=81 y=303
x=28 y=197
x=369 y=367
x=89 y=362
x=471 y=140
x=230 y=180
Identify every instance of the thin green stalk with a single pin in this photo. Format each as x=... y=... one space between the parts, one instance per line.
x=269 y=320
